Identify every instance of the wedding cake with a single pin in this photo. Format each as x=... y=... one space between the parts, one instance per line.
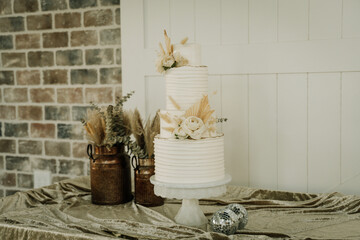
x=188 y=148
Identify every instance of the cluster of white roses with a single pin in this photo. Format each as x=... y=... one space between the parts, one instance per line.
x=170 y=60
x=194 y=128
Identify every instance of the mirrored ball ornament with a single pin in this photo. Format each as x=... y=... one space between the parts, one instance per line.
x=224 y=221
x=241 y=213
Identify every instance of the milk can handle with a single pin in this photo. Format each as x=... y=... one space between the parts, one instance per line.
x=135 y=162
x=90 y=153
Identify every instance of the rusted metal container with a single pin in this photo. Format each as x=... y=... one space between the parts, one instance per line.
x=144 y=189
x=110 y=175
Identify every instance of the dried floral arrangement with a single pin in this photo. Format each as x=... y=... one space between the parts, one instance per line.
x=145 y=133
x=197 y=122
x=111 y=126
x=167 y=58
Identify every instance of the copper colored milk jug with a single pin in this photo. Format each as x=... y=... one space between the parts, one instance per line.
x=110 y=175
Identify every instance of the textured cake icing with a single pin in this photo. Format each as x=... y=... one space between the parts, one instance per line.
x=189 y=161
x=188 y=149
x=186 y=85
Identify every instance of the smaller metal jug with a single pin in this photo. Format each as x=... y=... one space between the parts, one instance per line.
x=144 y=189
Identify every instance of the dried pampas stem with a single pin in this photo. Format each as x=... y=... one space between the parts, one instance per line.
x=165 y=117
x=137 y=128
x=184 y=40
x=145 y=134
x=167 y=43
x=176 y=105
x=162 y=49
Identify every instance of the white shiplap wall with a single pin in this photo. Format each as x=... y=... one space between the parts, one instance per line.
x=287 y=75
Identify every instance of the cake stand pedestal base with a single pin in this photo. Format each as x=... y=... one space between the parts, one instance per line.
x=190 y=213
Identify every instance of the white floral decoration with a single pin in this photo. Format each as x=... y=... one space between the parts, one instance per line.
x=197 y=122
x=168 y=59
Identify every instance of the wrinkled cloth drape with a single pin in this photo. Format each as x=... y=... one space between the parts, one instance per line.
x=64 y=211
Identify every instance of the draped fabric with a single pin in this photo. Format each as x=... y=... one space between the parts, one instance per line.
x=64 y=211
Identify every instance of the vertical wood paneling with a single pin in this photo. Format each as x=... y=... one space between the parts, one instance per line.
x=155 y=94
x=132 y=48
x=270 y=118
x=262 y=131
x=292 y=132
x=350 y=125
x=263 y=20
x=325 y=19
x=207 y=30
x=293 y=20
x=235 y=108
x=234 y=21
x=324 y=131
x=156 y=19
x=182 y=20
x=351 y=19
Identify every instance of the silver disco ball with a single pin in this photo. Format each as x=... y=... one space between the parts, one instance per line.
x=224 y=221
x=241 y=213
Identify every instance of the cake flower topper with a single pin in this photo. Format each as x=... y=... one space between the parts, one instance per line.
x=167 y=58
x=196 y=123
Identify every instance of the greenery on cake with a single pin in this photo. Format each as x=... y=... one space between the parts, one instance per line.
x=167 y=58
x=145 y=132
x=111 y=126
x=197 y=122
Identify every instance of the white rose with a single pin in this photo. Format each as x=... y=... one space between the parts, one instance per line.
x=180 y=60
x=179 y=133
x=168 y=61
x=194 y=127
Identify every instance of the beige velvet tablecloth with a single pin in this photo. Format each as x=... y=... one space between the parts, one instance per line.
x=64 y=211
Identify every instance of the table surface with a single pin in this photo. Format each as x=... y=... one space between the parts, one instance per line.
x=64 y=211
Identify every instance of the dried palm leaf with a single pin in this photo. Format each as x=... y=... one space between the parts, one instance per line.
x=176 y=105
x=201 y=110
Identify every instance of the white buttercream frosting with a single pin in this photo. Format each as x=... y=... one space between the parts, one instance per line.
x=189 y=161
x=186 y=85
x=190 y=51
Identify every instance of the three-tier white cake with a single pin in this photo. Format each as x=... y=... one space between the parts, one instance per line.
x=188 y=148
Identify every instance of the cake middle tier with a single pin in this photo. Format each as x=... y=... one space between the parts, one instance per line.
x=186 y=85
x=189 y=161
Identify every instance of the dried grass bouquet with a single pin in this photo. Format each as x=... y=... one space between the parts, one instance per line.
x=111 y=126
x=144 y=133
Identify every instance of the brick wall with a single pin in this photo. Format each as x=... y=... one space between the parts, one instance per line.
x=55 y=57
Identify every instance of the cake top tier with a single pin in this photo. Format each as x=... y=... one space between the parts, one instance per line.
x=178 y=55
x=190 y=51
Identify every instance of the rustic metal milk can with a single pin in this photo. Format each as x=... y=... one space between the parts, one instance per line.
x=144 y=189
x=110 y=175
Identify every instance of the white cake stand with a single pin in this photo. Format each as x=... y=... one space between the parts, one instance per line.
x=190 y=213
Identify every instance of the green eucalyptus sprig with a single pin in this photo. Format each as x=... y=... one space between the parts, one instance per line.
x=111 y=126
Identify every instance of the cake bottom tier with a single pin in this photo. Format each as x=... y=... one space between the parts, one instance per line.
x=189 y=161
